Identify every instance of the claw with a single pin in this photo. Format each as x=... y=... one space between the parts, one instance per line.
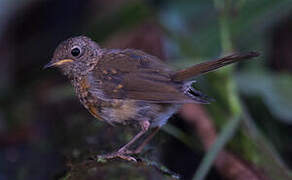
x=128 y=158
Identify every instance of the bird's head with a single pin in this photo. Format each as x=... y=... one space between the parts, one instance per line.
x=75 y=56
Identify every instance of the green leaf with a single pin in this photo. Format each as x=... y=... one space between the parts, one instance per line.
x=275 y=90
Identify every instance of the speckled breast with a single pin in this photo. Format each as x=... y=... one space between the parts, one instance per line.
x=89 y=102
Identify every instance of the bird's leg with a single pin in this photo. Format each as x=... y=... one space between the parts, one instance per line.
x=146 y=141
x=123 y=151
x=144 y=128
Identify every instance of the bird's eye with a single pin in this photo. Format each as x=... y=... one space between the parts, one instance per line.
x=75 y=51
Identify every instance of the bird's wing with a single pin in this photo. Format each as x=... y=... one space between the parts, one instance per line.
x=135 y=75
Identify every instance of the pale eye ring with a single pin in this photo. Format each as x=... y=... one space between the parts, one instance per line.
x=75 y=51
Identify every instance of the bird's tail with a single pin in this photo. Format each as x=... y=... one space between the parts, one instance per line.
x=205 y=67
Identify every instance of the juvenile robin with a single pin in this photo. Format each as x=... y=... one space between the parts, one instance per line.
x=130 y=86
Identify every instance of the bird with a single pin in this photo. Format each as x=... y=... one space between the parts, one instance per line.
x=131 y=87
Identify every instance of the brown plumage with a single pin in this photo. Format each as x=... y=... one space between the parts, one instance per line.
x=130 y=86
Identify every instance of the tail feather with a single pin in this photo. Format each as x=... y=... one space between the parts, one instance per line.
x=205 y=67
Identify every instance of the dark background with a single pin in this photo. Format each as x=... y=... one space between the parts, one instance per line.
x=45 y=133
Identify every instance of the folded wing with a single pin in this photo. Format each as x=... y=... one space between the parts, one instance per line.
x=135 y=75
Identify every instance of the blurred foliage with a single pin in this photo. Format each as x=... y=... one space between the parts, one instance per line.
x=272 y=88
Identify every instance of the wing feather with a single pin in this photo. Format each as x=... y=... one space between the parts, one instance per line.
x=135 y=75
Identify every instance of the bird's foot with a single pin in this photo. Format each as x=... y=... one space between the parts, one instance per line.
x=122 y=154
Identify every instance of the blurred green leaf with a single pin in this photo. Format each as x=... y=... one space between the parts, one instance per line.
x=275 y=90
x=272 y=163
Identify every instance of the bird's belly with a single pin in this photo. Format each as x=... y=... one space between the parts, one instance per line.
x=131 y=112
x=120 y=111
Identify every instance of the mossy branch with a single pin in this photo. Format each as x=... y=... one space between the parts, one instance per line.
x=113 y=168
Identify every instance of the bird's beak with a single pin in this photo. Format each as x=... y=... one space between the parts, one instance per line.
x=58 y=63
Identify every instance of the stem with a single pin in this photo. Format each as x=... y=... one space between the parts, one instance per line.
x=224 y=137
x=222 y=7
